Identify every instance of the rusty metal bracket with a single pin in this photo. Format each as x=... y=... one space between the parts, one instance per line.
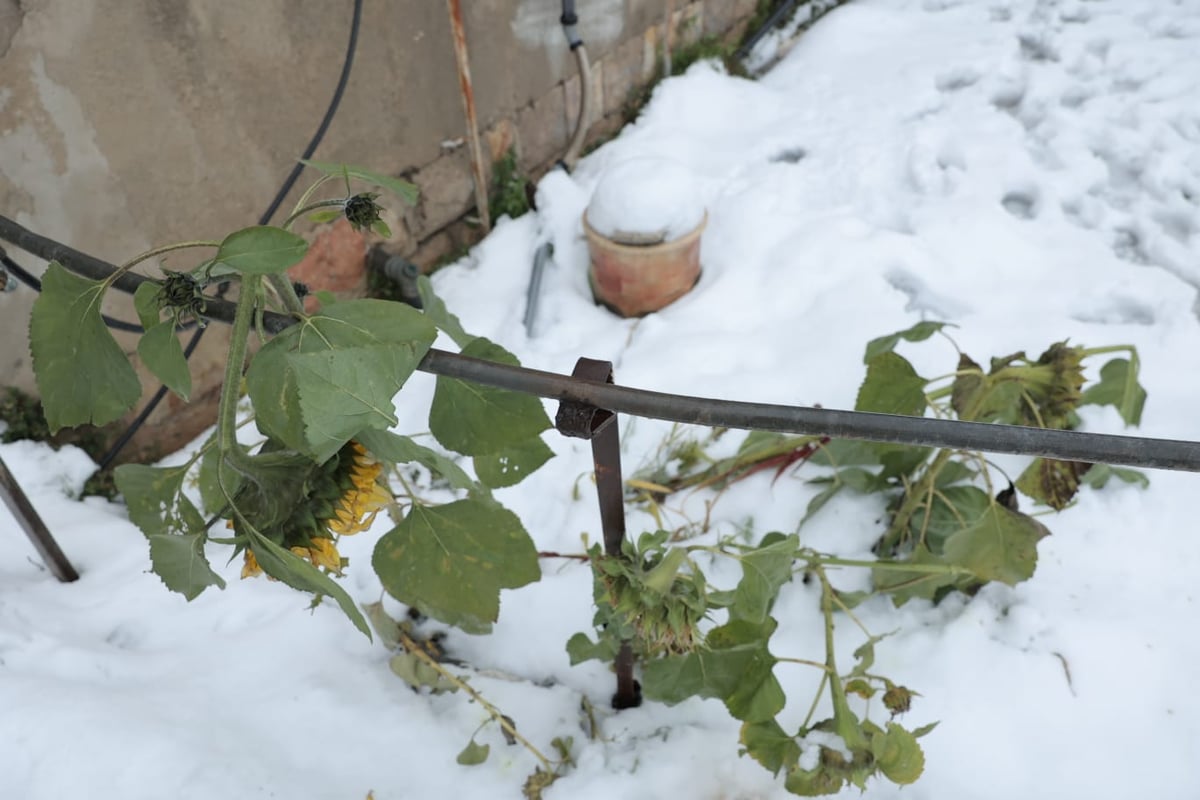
x=583 y=421
x=27 y=516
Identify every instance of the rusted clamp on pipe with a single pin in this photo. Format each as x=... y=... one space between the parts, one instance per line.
x=584 y=421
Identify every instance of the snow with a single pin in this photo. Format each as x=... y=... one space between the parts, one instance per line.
x=646 y=201
x=1026 y=169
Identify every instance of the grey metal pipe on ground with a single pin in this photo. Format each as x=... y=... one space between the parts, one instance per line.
x=534 y=293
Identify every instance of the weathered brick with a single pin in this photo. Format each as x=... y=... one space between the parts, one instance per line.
x=499 y=138
x=650 y=52
x=687 y=24
x=401 y=242
x=727 y=18
x=605 y=128
x=622 y=74
x=447 y=191
x=433 y=250
x=542 y=127
x=336 y=261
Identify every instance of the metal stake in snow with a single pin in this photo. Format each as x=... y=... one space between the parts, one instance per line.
x=34 y=528
x=585 y=421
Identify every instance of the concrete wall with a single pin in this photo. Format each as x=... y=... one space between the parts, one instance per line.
x=126 y=124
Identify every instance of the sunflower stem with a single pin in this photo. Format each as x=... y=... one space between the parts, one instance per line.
x=495 y=713
x=231 y=390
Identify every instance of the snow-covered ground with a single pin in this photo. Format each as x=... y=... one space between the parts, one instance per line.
x=1026 y=169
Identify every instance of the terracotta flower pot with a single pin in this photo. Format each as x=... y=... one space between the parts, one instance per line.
x=634 y=279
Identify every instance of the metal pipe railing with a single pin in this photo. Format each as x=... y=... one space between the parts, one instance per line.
x=1133 y=451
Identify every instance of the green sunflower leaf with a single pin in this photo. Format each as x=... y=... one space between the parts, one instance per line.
x=510 y=466
x=401 y=188
x=162 y=354
x=478 y=420
x=83 y=375
x=451 y=561
x=287 y=567
x=172 y=525
x=320 y=382
x=261 y=250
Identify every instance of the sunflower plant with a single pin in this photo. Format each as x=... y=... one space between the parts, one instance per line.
x=321 y=396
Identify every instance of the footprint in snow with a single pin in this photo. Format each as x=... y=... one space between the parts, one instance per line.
x=1117 y=310
x=1008 y=85
x=921 y=298
x=1037 y=45
x=1177 y=224
x=1022 y=203
x=1086 y=211
x=1128 y=245
x=957 y=78
x=940 y=5
x=789 y=155
x=933 y=166
x=1074 y=14
x=1075 y=97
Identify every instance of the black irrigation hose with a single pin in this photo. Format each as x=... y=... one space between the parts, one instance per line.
x=776 y=17
x=96 y=269
x=145 y=413
x=288 y=183
x=1096 y=448
x=334 y=102
x=30 y=280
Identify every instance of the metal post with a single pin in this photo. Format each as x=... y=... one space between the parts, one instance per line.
x=468 y=97
x=584 y=421
x=33 y=526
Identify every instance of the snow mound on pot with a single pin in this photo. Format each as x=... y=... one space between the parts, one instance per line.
x=646 y=201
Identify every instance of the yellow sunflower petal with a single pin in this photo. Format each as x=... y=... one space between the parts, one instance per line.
x=324 y=553
x=377 y=499
x=250 y=568
x=349 y=529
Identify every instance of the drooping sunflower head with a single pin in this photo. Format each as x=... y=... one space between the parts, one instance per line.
x=362 y=496
x=341 y=498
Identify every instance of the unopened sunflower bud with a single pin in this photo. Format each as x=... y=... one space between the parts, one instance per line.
x=898 y=699
x=362 y=211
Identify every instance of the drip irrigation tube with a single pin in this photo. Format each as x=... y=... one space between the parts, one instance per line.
x=96 y=269
x=545 y=250
x=18 y=272
x=569 y=20
x=1097 y=448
